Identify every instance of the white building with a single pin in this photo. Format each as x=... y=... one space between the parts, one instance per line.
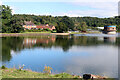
x=100 y=28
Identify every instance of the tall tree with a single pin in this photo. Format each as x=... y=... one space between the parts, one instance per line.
x=16 y=25
x=68 y=22
x=83 y=26
x=61 y=27
x=6 y=18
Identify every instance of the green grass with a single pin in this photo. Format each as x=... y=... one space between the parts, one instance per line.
x=76 y=33
x=39 y=32
x=0 y=74
x=28 y=32
x=51 y=32
x=15 y=73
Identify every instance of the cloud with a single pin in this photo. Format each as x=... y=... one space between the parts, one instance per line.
x=95 y=9
x=119 y=8
x=60 y=0
x=14 y=9
x=0 y=2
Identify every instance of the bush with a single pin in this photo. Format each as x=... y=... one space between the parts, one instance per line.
x=33 y=30
x=21 y=67
x=3 y=67
x=47 y=69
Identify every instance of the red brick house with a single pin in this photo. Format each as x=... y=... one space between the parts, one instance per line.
x=45 y=26
x=30 y=25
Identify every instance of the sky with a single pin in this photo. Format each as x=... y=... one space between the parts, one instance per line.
x=108 y=8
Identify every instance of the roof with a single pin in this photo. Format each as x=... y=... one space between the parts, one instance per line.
x=44 y=26
x=28 y=23
x=50 y=26
x=41 y=26
x=110 y=26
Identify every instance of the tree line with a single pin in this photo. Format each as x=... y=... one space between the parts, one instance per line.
x=13 y=23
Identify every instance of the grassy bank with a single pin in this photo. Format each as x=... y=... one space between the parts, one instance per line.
x=27 y=32
x=30 y=34
x=40 y=33
x=24 y=74
x=15 y=73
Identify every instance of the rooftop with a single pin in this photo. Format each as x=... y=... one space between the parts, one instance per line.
x=28 y=23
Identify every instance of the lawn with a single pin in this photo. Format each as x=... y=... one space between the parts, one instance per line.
x=15 y=73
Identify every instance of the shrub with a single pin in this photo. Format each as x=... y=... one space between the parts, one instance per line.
x=3 y=67
x=47 y=69
x=21 y=67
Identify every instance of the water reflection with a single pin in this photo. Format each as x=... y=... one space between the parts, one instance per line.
x=72 y=54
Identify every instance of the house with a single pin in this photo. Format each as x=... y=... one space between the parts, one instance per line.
x=45 y=26
x=110 y=29
x=29 y=25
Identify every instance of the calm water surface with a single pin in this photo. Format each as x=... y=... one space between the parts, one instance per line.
x=74 y=54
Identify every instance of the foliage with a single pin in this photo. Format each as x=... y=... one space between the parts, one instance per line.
x=6 y=18
x=82 y=26
x=10 y=23
x=37 y=30
x=21 y=67
x=47 y=69
x=64 y=25
x=68 y=22
x=46 y=29
x=3 y=67
x=61 y=27
x=16 y=25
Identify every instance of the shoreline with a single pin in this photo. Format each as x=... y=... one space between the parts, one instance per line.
x=25 y=73
x=37 y=34
x=29 y=34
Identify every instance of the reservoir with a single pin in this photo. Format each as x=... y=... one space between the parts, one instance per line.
x=74 y=54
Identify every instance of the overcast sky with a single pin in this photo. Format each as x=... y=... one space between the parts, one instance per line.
x=73 y=8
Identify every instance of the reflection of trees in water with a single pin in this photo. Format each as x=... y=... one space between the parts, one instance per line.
x=8 y=44
x=65 y=42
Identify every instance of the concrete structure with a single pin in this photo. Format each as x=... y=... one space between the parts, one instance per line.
x=109 y=29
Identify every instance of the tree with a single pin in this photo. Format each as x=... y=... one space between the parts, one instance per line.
x=61 y=27
x=83 y=26
x=68 y=22
x=16 y=25
x=64 y=25
x=78 y=26
x=6 y=18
